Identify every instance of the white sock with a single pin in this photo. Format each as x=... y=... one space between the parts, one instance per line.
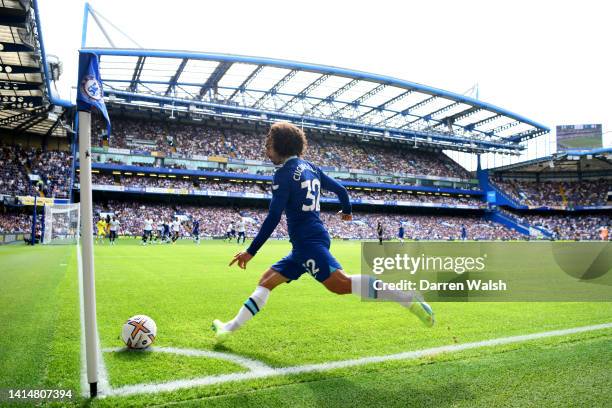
x=363 y=286
x=250 y=308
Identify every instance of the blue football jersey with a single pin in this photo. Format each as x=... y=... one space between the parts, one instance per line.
x=296 y=190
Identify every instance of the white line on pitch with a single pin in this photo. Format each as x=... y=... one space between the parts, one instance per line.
x=409 y=355
x=252 y=365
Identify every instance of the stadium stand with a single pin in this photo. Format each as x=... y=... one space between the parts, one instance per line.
x=187 y=141
x=558 y=193
x=51 y=171
x=570 y=226
x=254 y=187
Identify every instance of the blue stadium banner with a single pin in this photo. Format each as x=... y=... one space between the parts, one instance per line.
x=89 y=91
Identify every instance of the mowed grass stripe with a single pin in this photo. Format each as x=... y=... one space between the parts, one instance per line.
x=29 y=280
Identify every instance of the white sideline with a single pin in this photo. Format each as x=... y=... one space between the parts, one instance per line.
x=308 y=368
x=103 y=384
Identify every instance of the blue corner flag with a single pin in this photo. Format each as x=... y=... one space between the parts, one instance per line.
x=90 y=93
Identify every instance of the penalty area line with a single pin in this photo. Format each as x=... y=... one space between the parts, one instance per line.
x=154 y=388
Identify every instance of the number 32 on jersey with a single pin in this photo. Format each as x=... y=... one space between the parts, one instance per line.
x=313 y=194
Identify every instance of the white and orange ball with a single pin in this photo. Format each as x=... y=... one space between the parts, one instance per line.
x=139 y=332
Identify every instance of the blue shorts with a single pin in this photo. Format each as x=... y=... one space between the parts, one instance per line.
x=315 y=260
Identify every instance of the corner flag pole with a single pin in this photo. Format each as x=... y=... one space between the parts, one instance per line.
x=89 y=95
x=89 y=283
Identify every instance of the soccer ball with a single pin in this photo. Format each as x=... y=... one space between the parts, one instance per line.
x=139 y=332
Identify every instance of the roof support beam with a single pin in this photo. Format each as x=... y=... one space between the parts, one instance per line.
x=18 y=118
x=304 y=92
x=332 y=97
x=214 y=78
x=175 y=77
x=429 y=116
x=407 y=111
x=360 y=100
x=246 y=82
x=505 y=127
x=136 y=75
x=453 y=118
x=528 y=134
x=483 y=121
x=384 y=105
x=49 y=133
x=34 y=119
x=272 y=91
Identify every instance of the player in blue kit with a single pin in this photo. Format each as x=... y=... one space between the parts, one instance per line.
x=166 y=233
x=296 y=190
x=463 y=232
x=196 y=231
x=400 y=233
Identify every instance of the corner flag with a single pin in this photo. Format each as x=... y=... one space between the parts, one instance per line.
x=89 y=96
x=89 y=90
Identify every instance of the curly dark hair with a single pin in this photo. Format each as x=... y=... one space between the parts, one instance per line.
x=286 y=139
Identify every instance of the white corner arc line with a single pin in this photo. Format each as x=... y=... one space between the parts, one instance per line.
x=250 y=364
x=103 y=383
x=308 y=368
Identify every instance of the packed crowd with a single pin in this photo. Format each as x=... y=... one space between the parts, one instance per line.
x=30 y=171
x=214 y=222
x=190 y=140
x=570 y=226
x=15 y=222
x=557 y=193
x=254 y=187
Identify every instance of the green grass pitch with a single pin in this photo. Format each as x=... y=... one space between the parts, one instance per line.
x=184 y=286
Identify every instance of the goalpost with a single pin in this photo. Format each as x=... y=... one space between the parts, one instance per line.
x=62 y=223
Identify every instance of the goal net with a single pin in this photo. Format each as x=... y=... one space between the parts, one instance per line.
x=62 y=222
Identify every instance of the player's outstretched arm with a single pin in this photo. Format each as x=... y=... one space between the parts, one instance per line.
x=332 y=185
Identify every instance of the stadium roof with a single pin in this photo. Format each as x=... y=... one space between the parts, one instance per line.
x=318 y=96
x=572 y=161
x=24 y=102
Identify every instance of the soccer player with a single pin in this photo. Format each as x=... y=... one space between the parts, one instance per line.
x=241 y=230
x=196 y=231
x=400 y=233
x=463 y=232
x=148 y=228
x=230 y=232
x=296 y=190
x=603 y=233
x=114 y=228
x=380 y=231
x=101 y=225
x=159 y=237
x=166 y=233
x=176 y=228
